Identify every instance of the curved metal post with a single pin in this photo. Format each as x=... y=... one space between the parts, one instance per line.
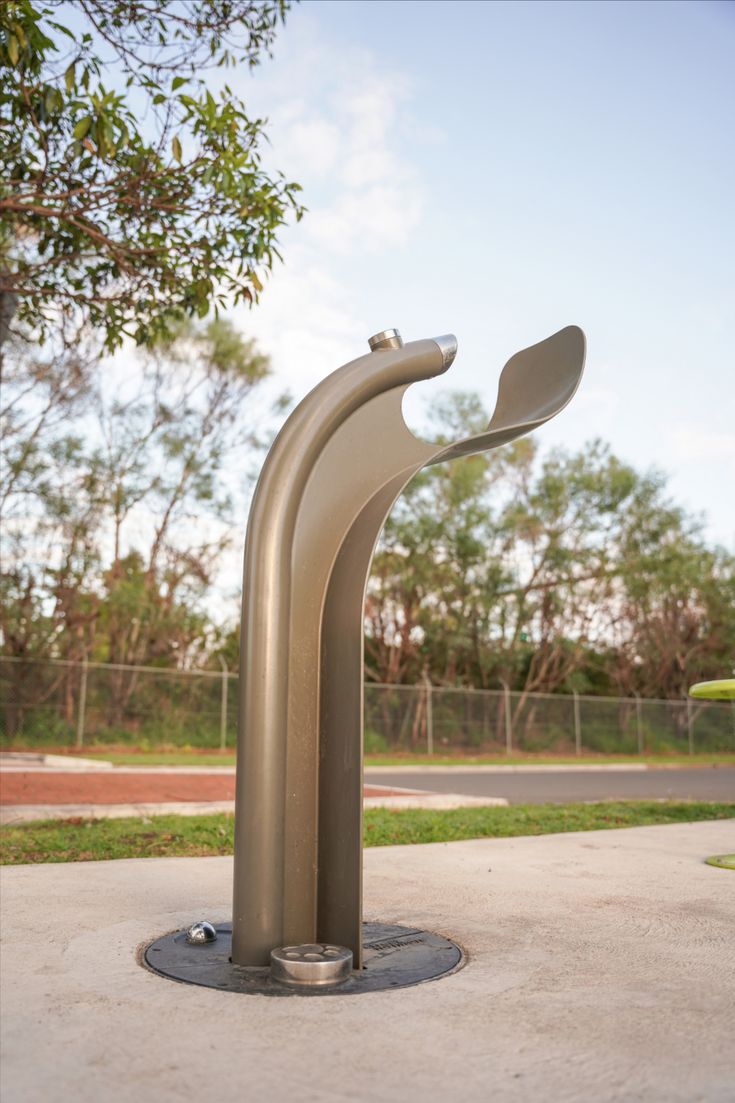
x=326 y=488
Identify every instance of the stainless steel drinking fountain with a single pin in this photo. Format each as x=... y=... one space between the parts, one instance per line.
x=327 y=485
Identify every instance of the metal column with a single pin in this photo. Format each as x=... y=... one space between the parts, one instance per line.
x=327 y=485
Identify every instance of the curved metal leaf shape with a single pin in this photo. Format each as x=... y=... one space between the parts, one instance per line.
x=534 y=386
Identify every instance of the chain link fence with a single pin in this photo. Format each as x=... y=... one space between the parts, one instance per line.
x=434 y=720
x=55 y=704
x=64 y=704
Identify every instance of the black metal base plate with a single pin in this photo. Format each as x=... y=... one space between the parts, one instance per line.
x=395 y=957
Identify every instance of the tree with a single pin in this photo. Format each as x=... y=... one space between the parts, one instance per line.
x=132 y=197
x=434 y=582
x=675 y=608
x=556 y=573
x=40 y=391
x=117 y=515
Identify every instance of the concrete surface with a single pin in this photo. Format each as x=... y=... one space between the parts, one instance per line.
x=26 y=813
x=601 y=967
x=537 y=785
x=18 y=765
x=32 y=760
x=11 y=814
x=514 y=768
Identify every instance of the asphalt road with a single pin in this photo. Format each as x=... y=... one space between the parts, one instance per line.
x=704 y=783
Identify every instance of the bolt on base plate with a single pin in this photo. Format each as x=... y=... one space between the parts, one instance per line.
x=395 y=957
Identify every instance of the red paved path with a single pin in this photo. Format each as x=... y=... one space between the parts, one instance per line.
x=111 y=787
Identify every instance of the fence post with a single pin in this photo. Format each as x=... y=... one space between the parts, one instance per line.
x=223 y=706
x=82 y=705
x=508 y=718
x=690 y=725
x=577 y=724
x=638 y=724
x=429 y=715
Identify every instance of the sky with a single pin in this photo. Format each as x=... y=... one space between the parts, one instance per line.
x=501 y=170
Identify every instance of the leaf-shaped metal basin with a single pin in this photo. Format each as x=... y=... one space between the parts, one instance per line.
x=535 y=385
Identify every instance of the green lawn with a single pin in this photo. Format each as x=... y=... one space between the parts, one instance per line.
x=215 y=758
x=722 y=759
x=191 y=836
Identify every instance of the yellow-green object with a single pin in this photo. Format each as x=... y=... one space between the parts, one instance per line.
x=722 y=861
x=721 y=690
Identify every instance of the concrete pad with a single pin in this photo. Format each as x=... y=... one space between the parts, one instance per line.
x=27 y=813
x=530 y=768
x=54 y=763
x=32 y=760
x=601 y=966
x=437 y=801
x=11 y=814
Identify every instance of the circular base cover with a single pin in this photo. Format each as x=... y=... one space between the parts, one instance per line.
x=394 y=957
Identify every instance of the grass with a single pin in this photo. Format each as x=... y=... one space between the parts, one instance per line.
x=705 y=759
x=131 y=757
x=194 y=836
x=164 y=758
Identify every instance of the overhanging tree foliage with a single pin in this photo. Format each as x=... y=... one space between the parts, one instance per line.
x=131 y=196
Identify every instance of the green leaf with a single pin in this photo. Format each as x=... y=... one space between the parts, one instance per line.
x=170 y=232
x=82 y=128
x=62 y=29
x=20 y=33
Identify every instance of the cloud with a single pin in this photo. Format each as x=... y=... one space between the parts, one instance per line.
x=307 y=322
x=368 y=220
x=364 y=197
x=313 y=143
x=363 y=194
